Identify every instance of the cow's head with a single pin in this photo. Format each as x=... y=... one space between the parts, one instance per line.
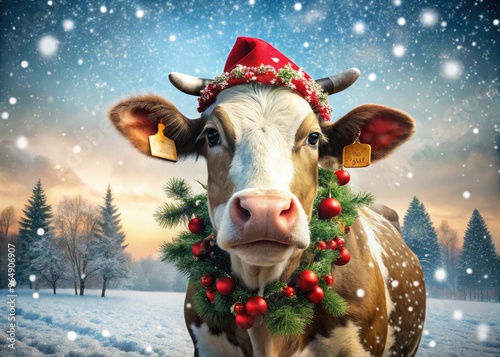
x=263 y=144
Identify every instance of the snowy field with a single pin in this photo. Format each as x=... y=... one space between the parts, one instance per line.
x=131 y=323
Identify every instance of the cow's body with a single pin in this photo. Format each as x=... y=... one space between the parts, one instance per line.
x=263 y=144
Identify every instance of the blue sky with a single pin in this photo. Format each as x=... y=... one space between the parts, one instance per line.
x=64 y=64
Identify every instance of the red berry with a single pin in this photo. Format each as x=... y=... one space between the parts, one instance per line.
x=344 y=258
x=329 y=208
x=321 y=245
x=202 y=248
x=225 y=285
x=244 y=321
x=316 y=295
x=288 y=291
x=331 y=244
x=307 y=280
x=328 y=279
x=210 y=294
x=340 y=242
x=196 y=225
x=256 y=306
x=343 y=177
x=347 y=229
x=207 y=280
x=239 y=307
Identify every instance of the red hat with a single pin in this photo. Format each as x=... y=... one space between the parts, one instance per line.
x=255 y=61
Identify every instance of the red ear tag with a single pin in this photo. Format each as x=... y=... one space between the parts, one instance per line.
x=357 y=154
x=161 y=146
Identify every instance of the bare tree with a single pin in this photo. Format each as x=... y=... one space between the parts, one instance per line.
x=7 y=219
x=75 y=223
x=448 y=239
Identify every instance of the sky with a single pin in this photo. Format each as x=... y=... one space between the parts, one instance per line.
x=64 y=64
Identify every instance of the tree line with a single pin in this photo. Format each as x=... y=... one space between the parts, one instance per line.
x=469 y=272
x=79 y=242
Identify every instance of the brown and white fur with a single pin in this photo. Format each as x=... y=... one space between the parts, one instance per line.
x=262 y=181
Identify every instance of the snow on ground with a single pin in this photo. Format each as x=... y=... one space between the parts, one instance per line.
x=132 y=323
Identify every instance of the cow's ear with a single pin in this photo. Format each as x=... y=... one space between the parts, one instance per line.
x=137 y=118
x=382 y=127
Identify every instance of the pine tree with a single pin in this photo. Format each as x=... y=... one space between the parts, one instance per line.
x=110 y=243
x=421 y=237
x=34 y=225
x=477 y=265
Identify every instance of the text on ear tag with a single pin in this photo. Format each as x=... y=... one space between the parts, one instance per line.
x=161 y=146
x=357 y=155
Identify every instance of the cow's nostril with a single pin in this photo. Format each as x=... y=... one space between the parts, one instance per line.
x=289 y=213
x=242 y=214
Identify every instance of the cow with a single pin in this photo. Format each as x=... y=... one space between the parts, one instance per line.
x=263 y=139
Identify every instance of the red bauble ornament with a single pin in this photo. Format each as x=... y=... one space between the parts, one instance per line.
x=225 y=285
x=202 y=248
x=321 y=245
x=331 y=244
x=328 y=279
x=344 y=258
x=244 y=321
x=288 y=291
x=210 y=294
x=307 y=280
x=256 y=306
x=347 y=229
x=329 y=208
x=239 y=307
x=340 y=242
x=196 y=225
x=316 y=295
x=343 y=177
x=207 y=280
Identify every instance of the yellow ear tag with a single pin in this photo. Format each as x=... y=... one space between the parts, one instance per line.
x=357 y=154
x=161 y=146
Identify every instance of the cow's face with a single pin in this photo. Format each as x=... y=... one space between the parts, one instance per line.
x=262 y=145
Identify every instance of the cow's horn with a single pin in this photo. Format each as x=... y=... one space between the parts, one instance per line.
x=339 y=82
x=188 y=84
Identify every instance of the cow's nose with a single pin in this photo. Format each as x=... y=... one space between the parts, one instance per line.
x=270 y=216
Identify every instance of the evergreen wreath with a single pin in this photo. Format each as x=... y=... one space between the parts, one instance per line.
x=287 y=307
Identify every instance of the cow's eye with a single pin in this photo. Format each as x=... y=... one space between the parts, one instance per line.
x=313 y=139
x=213 y=137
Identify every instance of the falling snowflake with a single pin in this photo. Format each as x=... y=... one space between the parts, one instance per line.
x=139 y=13
x=360 y=293
x=36 y=295
x=40 y=231
x=297 y=6
x=71 y=335
x=440 y=275
x=359 y=27
x=401 y=21
x=5 y=115
x=12 y=100
x=372 y=77
x=457 y=315
x=24 y=64
x=22 y=142
x=398 y=50
x=429 y=17
x=105 y=333
x=32 y=278
x=68 y=25
x=452 y=69
x=482 y=332
x=466 y=195
x=48 y=46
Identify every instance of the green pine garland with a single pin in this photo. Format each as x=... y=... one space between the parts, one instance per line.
x=285 y=315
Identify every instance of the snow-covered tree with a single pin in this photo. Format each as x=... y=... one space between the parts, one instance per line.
x=477 y=268
x=49 y=261
x=75 y=221
x=421 y=237
x=448 y=240
x=35 y=224
x=110 y=243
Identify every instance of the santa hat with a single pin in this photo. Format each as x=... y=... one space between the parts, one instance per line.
x=255 y=61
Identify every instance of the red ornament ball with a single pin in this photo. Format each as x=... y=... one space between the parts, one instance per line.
x=316 y=295
x=196 y=225
x=256 y=306
x=328 y=279
x=207 y=280
x=340 y=242
x=288 y=291
x=210 y=294
x=347 y=229
x=307 y=280
x=244 y=321
x=239 y=307
x=202 y=248
x=225 y=285
x=329 y=208
x=344 y=258
x=331 y=244
x=321 y=245
x=343 y=177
